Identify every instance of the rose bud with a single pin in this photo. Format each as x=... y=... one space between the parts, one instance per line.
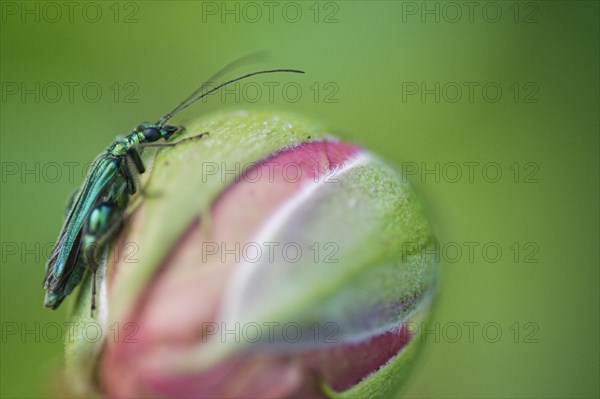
x=267 y=259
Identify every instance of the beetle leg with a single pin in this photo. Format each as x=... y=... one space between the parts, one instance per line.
x=128 y=176
x=137 y=159
x=104 y=221
x=196 y=137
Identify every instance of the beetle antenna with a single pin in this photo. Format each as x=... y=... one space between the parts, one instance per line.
x=247 y=59
x=191 y=99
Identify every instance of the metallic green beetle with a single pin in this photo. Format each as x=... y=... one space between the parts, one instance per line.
x=95 y=212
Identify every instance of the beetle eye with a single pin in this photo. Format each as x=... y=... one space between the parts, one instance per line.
x=151 y=134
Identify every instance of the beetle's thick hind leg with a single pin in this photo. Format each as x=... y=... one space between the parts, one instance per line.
x=104 y=221
x=93 y=305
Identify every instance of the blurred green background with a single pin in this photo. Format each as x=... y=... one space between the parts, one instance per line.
x=384 y=74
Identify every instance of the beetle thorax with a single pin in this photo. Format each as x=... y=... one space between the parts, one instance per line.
x=120 y=147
